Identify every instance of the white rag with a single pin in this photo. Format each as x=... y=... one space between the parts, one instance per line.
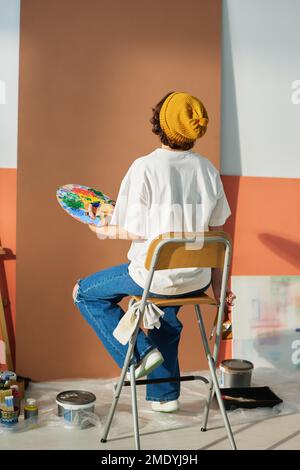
x=128 y=322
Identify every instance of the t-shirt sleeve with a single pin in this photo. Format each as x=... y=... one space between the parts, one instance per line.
x=221 y=211
x=131 y=209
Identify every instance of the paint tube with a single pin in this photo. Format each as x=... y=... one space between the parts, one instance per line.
x=9 y=403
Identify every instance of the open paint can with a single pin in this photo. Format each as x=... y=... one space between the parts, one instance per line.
x=236 y=373
x=74 y=403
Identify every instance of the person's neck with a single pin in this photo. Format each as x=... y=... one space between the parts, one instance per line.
x=163 y=146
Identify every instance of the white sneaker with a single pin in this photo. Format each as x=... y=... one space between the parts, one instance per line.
x=152 y=360
x=165 y=406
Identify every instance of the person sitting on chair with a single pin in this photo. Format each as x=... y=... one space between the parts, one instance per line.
x=173 y=189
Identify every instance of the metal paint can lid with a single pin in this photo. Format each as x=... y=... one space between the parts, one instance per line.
x=236 y=365
x=75 y=398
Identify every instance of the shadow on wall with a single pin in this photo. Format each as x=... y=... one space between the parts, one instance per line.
x=287 y=249
x=9 y=255
x=230 y=136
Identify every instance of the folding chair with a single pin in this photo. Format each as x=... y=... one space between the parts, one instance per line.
x=181 y=250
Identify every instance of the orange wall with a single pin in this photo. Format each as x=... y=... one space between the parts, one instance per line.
x=265 y=225
x=89 y=74
x=8 y=204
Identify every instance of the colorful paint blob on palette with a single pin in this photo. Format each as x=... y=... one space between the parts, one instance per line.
x=76 y=199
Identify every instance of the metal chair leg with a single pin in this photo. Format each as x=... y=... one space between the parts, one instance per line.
x=209 y=397
x=118 y=389
x=210 y=387
x=210 y=393
x=211 y=365
x=212 y=368
x=134 y=408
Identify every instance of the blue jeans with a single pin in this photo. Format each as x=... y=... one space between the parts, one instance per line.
x=97 y=298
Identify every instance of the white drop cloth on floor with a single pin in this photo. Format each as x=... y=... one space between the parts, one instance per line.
x=284 y=384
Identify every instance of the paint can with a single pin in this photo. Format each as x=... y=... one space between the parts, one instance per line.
x=31 y=410
x=236 y=373
x=9 y=414
x=9 y=418
x=72 y=402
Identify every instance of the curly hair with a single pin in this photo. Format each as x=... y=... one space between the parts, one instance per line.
x=156 y=128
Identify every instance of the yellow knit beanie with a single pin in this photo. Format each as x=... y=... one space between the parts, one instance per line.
x=183 y=117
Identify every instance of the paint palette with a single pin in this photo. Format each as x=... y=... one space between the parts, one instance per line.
x=75 y=199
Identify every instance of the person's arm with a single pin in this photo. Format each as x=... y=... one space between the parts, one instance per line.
x=113 y=232
x=216 y=273
x=216 y=279
x=106 y=230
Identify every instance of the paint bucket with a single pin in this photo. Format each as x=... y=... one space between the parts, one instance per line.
x=9 y=418
x=72 y=404
x=236 y=373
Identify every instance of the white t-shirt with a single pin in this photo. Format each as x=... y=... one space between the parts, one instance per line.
x=169 y=191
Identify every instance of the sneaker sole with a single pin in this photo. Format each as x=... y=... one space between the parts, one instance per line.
x=148 y=371
x=166 y=410
x=162 y=411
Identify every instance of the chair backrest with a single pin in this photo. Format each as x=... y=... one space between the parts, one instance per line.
x=176 y=250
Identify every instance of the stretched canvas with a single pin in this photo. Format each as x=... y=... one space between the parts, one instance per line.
x=266 y=320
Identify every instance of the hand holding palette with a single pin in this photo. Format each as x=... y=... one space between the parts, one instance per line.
x=76 y=200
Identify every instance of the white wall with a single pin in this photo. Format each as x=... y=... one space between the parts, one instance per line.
x=261 y=60
x=9 y=71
